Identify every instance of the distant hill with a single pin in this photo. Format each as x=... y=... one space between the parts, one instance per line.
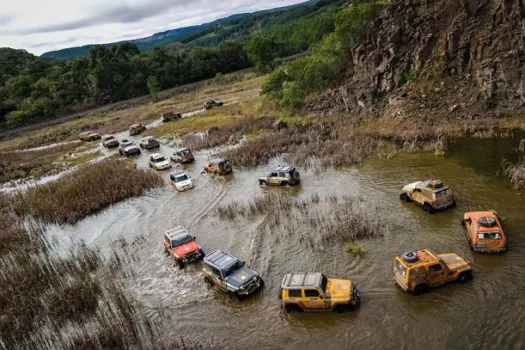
x=208 y=34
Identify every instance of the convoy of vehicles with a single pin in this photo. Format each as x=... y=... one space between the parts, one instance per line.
x=484 y=232
x=417 y=271
x=315 y=292
x=89 y=136
x=158 y=162
x=432 y=195
x=280 y=176
x=182 y=246
x=230 y=274
x=109 y=141
x=149 y=142
x=218 y=167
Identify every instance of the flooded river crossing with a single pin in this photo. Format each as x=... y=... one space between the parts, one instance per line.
x=485 y=313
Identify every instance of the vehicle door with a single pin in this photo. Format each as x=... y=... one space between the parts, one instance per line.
x=314 y=300
x=436 y=275
x=417 y=195
x=216 y=275
x=273 y=179
x=282 y=177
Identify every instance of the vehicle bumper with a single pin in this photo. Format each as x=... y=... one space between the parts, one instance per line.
x=192 y=257
x=356 y=297
x=400 y=283
x=251 y=288
x=489 y=250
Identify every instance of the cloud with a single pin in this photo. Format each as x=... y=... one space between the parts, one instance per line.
x=6 y=18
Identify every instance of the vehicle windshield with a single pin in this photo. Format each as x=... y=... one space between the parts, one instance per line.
x=180 y=178
x=489 y=235
x=181 y=240
x=107 y=138
x=400 y=268
x=185 y=152
x=159 y=159
x=443 y=193
x=234 y=267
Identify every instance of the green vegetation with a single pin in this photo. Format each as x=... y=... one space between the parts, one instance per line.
x=289 y=85
x=89 y=189
x=354 y=249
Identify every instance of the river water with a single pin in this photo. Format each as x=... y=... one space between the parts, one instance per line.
x=485 y=313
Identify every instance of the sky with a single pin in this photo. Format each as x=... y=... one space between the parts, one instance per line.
x=46 y=25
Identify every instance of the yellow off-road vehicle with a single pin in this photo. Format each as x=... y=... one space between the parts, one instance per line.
x=315 y=292
x=416 y=272
x=432 y=195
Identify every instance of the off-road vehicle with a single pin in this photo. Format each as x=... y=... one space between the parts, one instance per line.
x=181 y=181
x=169 y=116
x=89 y=136
x=417 y=271
x=315 y=292
x=158 y=162
x=230 y=274
x=183 y=155
x=182 y=246
x=484 y=232
x=432 y=195
x=128 y=148
x=218 y=167
x=283 y=175
x=136 y=129
x=109 y=141
x=212 y=103
x=149 y=142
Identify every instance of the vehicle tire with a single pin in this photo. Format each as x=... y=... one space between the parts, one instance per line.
x=208 y=282
x=428 y=208
x=342 y=308
x=419 y=289
x=202 y=254
x=166 y=251
x=280 y=294
x=464 y=277
x=470 y=245
x=453 y=205
x=404 y=197
x=463 y=223
x=289 y=308
x=283 y=183
x=261 y=182
x=180 y=263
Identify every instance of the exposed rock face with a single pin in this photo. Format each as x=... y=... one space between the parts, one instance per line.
x=463 y=57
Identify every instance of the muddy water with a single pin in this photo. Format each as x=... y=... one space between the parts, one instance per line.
x=486 y=313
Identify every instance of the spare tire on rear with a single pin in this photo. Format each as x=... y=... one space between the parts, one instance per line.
x=410 y=257
x=487 y=221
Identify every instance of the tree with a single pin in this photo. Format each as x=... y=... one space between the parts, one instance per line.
x=261 y=50
x=153 y=85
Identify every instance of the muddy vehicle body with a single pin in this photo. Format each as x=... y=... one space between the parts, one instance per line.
x=183 y=155
x=218 y=167
x=209 y=104
x=149 y=142
x=158 y=162
x=181 y=181
x=315 y=292
x=109 y=141
x=89 y=136
x=136 y=129
x=417 y=271
x=484 y=232
x=281 y=176
x=230 y=274
x=432 y=195
x=182 y=246
x=128 y=148
x=169 y=116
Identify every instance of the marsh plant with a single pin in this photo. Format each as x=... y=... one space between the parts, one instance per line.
x=515 y=172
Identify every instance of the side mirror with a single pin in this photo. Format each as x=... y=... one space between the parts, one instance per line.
x=321 y=297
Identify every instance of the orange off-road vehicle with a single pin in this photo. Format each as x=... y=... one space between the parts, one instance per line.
x=484 y=232
x=416 y=272
x=182 y=246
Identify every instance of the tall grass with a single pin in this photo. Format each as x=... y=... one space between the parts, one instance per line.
x=516 y=172
x=87 y=190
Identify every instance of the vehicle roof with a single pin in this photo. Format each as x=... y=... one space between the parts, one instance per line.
x=285 y=168
x=480 y=214
x=425 y=256
x=179 y=173
x=176 y=232
x=182 y=149
x=148 y=138
x=218 y=160
x=220 y=259
x=302 y=280
x=135 y=125
x=156 y=155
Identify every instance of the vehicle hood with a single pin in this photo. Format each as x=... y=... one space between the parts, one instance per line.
x=411 y=187
x=184 y=183
x=454 y=262
x=339 y=288
x=241 y=277
x=187 y=248
x=129 y=147
x=163 y=163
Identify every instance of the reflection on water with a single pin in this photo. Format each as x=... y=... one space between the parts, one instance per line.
x=486 y=313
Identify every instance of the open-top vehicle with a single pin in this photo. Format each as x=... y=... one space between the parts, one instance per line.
x=128 y=148
x=315 y=292
x=218 y=167
x=230 y=274
x=432 y=195
x=89 y=136
x=280 y=176
x=169 y=116
x=484 y=232
x=417 y=271
x=109 y=141
x=181 y=181
x=149 y=142
x=158 y=162
x=182 y=246
x=183 y=155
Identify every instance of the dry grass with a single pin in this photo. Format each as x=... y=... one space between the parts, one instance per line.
x=316 y=221
x=516 y=172
x=87 y=190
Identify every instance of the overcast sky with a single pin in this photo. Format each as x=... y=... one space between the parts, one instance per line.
x=45 y=25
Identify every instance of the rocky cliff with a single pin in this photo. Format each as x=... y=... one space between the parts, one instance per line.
x=441 y=57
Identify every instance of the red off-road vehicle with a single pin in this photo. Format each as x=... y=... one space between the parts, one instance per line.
x=182 y=246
